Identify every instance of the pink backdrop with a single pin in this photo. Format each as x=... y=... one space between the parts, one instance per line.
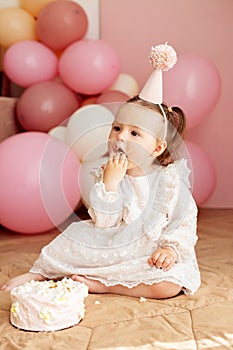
x=198 y=27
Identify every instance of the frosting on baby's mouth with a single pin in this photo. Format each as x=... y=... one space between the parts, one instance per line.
x=118 y=147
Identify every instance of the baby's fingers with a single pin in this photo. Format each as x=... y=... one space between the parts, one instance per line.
x=158 y=260
x=122 y=156
x=153 y=259
x=119 y=157
x=150 y=261
x=123 y=161
x=161 y=261
x=168 y=263
x=120 y=161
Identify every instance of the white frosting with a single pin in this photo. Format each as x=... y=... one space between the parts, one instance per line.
x=48 y=305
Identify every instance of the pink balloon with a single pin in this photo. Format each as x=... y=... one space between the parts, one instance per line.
x=39 y=186
x=112 y=96
x=89 y=66
x=61 y=23
x=30 y=62
x=46 y=105
x=112 y=100
x=203 y=173
x=193 y=84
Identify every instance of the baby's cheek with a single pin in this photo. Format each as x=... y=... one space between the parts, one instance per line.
x=137 y=153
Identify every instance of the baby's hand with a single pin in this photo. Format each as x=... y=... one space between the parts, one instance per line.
x=114 y=171
x=163 y=258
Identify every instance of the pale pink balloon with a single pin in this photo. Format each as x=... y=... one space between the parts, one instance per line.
x=203 y=173
x=30 y=62
x=194 y=84
x=89 y=66
x=112 y=100
x=45 y=105
x=112 y=96
x=39 y=187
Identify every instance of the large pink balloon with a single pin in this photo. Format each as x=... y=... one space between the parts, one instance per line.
x=89 y=66
x=61 y=23
x=193 y=84
x=30 y=62
x=203 y=173
x=39 y=186
x=45 y=105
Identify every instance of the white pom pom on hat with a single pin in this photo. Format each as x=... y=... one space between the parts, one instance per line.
x=162 y=57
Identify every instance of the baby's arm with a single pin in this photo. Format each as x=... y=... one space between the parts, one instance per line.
x=21 y=279
x=163 y=258
x=106 y=201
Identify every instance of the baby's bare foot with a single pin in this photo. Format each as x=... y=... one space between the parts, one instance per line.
x=94 y=286
x=21 y=279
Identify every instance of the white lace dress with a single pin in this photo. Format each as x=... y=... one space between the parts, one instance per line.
x=126 y=228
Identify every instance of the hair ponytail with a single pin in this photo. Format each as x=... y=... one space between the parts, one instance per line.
x=175 y=134
x=177 y=112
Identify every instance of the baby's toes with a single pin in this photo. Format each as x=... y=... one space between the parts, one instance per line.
x=3 y=287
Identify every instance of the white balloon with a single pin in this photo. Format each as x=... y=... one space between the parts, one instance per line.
x=88 y=131
x=58 y=132
x=87 y=173
x=126 y=84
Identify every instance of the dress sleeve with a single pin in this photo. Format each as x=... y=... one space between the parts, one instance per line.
x=180 y=211
x=106 y=207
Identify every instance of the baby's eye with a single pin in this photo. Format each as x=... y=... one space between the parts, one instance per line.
x=134 y=133
x=116 y=128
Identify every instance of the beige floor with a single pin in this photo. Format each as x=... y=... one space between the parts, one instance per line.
x=199 y=322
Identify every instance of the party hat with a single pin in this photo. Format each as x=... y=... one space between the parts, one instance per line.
x=162 y=57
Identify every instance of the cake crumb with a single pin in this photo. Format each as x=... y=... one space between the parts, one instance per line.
x=97 y=302
x=142 y=300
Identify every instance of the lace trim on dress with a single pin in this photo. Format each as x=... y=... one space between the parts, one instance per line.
x=107 y=196
x=186 y=291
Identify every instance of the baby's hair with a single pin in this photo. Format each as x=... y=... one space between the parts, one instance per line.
x=176 y=128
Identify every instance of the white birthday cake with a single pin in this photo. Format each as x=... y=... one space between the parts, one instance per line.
x=48 y=305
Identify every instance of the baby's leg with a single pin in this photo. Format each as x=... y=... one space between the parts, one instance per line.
x=18 y=280
x=159 y=290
